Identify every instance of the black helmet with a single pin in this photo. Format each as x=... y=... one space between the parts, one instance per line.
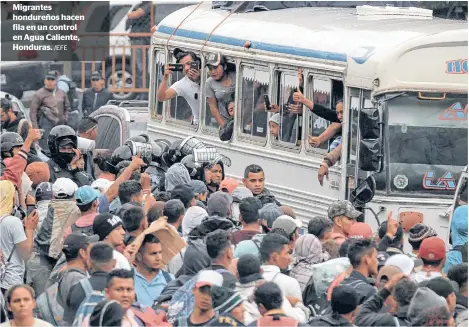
x=10 y=140
x=189 y=144
x=146 y=137
x=156 y=152
x=120 y=154
x=173 y=155
x=5 y=103
x=163 y=144
x=59 y=133
x=188 y=162
x=145 y=150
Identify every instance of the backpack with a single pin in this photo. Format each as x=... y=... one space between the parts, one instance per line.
x=463 y=250
x=182 y=302
x=275 y=320
x=88 y=230
x=86 y=308
x=72 y=94
x=49 y=309
x=323 y=274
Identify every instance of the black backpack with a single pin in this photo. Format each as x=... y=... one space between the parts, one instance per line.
x=463 y=250
x=72 y=95
x=88 y=230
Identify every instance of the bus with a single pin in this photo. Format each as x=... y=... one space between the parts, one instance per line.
x=401 y=73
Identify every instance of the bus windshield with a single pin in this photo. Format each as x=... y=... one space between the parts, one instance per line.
x=427 y=143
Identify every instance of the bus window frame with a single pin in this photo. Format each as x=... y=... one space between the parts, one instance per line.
x=309 y=94
x=153 y=95
x=172 y=120
x=240 y=136
x=210 y=130
x=278 y=144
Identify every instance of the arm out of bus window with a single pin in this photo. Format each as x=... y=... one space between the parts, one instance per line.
x=212 y=102
x=164 y=93
x=329 y=160
x=319 y=110
x=329 y=133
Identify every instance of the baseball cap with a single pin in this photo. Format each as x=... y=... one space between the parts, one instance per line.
x=287 y=223
x=52 y=74
x=38 y=172
x=198 y=187
x=219 y=203
x=432 y=249
x=182 y=192
x=76 y=241
x=66 y=141
x=214 y=59
x=386 y=273
x=105 y=223
x=63 y=188
x=342 y=208
x=101 y=185
x=43 y=192
x=344 y=299
x=209 y=278
x=360 y=230
x=86 y=194
x=229 y=185
x=96 y=74
x=402 y=261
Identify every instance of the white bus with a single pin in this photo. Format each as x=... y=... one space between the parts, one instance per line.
x=411 y=68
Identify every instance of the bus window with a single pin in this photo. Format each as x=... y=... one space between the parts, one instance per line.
x=219 y=93
x=179 y=108
x=156 y=106
x=321 y=90
x=354 y=111
x=255 y=84
x=288 y=119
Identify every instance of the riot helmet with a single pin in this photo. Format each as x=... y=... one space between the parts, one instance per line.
x=61 y=136
x=206 y=158
x=9 y=140
x=120 y=154
x=137 y=138
x=145 y=150
x=189 y=144
x=163 y=144
x=173 y=154
x=189 y=163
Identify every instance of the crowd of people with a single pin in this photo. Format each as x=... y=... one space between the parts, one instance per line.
x=79 y=245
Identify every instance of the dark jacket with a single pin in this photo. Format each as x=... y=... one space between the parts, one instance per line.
x=329 y=320
x=265 y=197
x=14 y=126
x=76 y=175
x=461 y=304
x=325 y=113
x=55 y=106
x=361 y=284
x=386 y=245
x=370 y=312
x=98 y=281
x=92 y=100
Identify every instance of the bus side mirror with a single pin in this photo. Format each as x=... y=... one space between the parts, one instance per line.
x=371 y=138
x=364 y=192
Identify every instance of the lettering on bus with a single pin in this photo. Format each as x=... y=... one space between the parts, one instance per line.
x=458 y=66
x=455 y=112
x=447 y=182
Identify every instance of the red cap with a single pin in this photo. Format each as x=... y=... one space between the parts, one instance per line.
x=432 y=249
x=229 y=184
x=360 y=230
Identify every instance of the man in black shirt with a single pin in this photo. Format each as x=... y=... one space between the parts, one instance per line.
x=102 y=262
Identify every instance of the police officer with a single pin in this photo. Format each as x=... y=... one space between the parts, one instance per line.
x=62 y=143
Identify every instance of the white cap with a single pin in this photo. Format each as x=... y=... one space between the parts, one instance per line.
x=275 y=119
x=64 y=187
x=101 y=184
x=209 y=278
x=401 y=261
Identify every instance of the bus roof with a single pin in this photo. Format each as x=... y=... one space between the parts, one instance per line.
x=335 y=35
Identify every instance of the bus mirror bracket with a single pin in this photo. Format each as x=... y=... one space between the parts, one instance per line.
x=371 y=140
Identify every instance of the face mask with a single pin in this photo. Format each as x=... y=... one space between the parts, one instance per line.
x=67 y=157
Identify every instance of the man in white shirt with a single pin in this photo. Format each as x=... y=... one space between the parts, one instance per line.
x=433 y=254
x=188 y=87
x=110 y=230
x=275 y=254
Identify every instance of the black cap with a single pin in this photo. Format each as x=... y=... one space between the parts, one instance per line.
x=249 y=268
x=43 y=192
x=182 y=192
x=51 y=74
x=344 y=299
x=76 y=241
x=96 y=74
x=66 y=141
x=105 y=223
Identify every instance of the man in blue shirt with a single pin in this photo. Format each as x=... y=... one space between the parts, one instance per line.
x=150 y=279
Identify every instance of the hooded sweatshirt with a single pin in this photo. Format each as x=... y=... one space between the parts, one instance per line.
x=177 y=174
x=308 y=252
x=192 y=218
x=423 y=303
x=458 y=237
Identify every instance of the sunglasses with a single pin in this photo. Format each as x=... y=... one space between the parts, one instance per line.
x=95 y=79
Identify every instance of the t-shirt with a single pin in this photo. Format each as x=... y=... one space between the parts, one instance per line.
x=37 y=323
x=189 y=323
x=121 y=261
x=69 y=279
x=12 y=232
x=242 y=235
x=190 y=91
x=425 y=275
x=223 y=94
